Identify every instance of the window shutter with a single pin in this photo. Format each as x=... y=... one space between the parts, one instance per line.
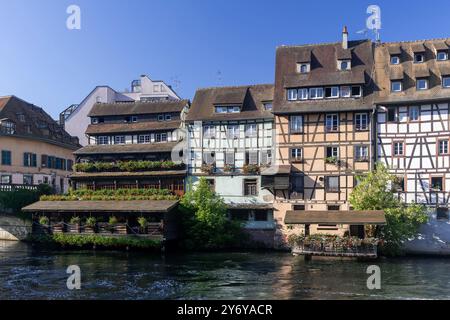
x=25 y=159
x=229 y=158
x=253 y=157
x=44 y=161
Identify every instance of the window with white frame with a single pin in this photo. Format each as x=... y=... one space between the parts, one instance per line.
x=414 y=113
x=422 y=84
x=395 y=60
x=419 y=58
x=292 y=94
x=233 y=131
x=296 y=154
x=94 y=120
x=102 y=140
x=134 y=119
x=332 y=184
x=361 y=153
x=332 y=152
x=266 y=157
x=296 y=124
x=396 y=86
x=229 y=158
x=303 y=67
x=303 y=94
x=332 y=92
x=251 y=130
x=399 y=149
x=331 y=122
x=361 y=121
x=168 y=117
x=446 y=82
x=161 y=137
x=144 y=138
x=268 y=106
x=209 y=132
x=346 y=92
x=443 y=147
x=442 y=55
x=316 y=93
x=356 y=91
x=251 y=157
x=160 y=117
x=119 y=140
x=345 y=65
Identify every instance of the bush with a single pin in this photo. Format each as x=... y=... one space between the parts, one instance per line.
x=113 y=221
x=109 y=195
x=44 y=221
x=75 y=220
x=91 y=222
x=127 y=166
x=18 y=199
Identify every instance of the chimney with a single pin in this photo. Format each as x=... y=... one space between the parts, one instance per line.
x=345 y=38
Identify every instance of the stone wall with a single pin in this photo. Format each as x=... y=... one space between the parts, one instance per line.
x=13 y=228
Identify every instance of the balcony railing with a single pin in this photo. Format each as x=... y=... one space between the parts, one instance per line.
x=15 y=187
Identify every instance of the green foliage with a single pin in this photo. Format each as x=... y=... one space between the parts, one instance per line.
x=88 y=241
x=91 y=222
x=376 y=192
x=327 y=239
x=205 y=222
x=113 y=221
x=44 y=221
x=127 y=166
x=142 y=222
x=331 y=160
x=251 y=169
x=109 y=195
x=75 y=220
x=18 y=199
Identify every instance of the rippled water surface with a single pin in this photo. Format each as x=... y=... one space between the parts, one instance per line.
x=27 y=273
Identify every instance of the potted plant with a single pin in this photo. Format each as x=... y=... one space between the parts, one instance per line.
x=228 y=168
x=90 y=225
x=251 y=169
x=143 y=223
x=331 y=160
x=207 y=168
x=112 y=222
x=74 y=225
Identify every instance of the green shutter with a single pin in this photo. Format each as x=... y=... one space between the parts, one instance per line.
x=25 y=159
x=34 y=157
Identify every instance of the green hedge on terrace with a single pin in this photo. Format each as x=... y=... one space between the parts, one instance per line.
x=128 y=166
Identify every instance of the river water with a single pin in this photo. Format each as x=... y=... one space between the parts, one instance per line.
x=28 y=273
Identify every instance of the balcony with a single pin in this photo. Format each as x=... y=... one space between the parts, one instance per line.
x=16 y=187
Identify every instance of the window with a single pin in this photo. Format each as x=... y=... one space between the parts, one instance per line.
x=332 y=92
x=399 y=149
x=21 y=117
x=356 y=91
x=303 y=94
x=268 y=106
x=233 y=131
x=6 y=179
x=209 y=157
x=303 y=67
x=298 y=207
x=296 y=154
x=134 y=119
x=251 y=130
x=251 y=157
x=209 y=132
x=345 y=92
x=333 y=207
x=292 y=94
x=250 y=187
x=29 y=159
x=414 y=113
x=392 y=114
x=227 y=109
x=8 y=127
x=395 y=60
x=361 y=153
x=437 y=183
x=102 y=140
x=144 y=138
x=6 y=158
x=168 y=117
x=396 y=86
x=345 y=65
x=28 y=179
x=361 y=121
x=119 y=140
x=261 y=215
x=160 y=117
x=161 y=137
x=297 y=184
x=316 y=93
x=266 y=157
x=296 y=124
x=446 y=82
x=419 y=58
x=332 y=152
x=443 y=147
x=442 y=56
x=331 y=123
x=422 y=84
x=229 y=158
x=332 y=184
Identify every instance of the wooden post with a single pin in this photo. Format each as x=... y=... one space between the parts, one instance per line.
x=307 y=230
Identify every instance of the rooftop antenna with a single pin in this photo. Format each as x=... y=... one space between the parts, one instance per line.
x=175 y=81
x=219 y=77
x=373 y=22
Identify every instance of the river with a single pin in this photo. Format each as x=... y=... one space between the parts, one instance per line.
x=28 y=273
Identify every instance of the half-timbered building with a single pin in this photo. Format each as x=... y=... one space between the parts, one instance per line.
x=323 y=106
x=231 y=139
x=413 y=123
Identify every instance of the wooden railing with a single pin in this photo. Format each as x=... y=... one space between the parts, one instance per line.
x=15 y=187
x=176 y=189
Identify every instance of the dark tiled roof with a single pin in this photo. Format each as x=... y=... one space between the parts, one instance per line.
x=431 y=69
x=324 y=72
x=106 y=128
x=250 y=97
x=126 y=148
x=85 y=175
x=396 y=73
x=136 y=108
x=441 y=45
x=138 y=206
x=418 y=47
x=394 y=50
x=335 y=217
x=37 y=123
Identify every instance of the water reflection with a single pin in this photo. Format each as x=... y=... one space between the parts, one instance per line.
x=27 y=273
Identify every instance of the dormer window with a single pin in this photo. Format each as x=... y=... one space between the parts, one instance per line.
x=446 y=82
x=395 y=60
x=316 y=93
x=419 y=58
x=134 y=119
x=345 y=92
x=268 y=106
x=345 y=65
x=168 y=117
x=396 y=86
x=94 y=121
x=422 y=84
x=227 y=109
x=442 y=55
x=332 y=92
x=356 y=91
x=303 y=67
x=8 y=127
x=160 y=117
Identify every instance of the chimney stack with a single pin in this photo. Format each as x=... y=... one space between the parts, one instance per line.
x=345 y=38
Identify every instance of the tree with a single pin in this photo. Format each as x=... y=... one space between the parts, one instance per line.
x=376 y=191
x=204 y=219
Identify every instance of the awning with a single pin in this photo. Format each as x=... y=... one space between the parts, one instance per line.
x=336 y=217
x=138 y=206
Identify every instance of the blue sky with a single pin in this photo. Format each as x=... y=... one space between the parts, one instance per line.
x=184 y=42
